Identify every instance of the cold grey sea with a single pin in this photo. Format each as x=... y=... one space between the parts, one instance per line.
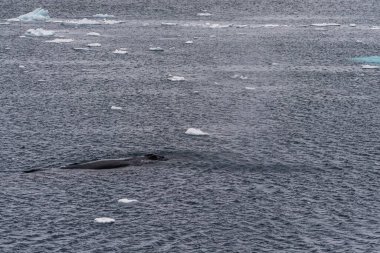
x=268 y=113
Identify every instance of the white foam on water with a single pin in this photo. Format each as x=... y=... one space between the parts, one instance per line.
x=104 y=220
x=195 y=131
x=240 y=26
x=116 y=108
x=81 y=49
x=168 y=24
x=375 y=28
x=325 y=24
x=236 y=76
x=155 y=49
x=84 y=21
x=22 y=36
x=60 y=41
x=120 y=51
x=176 y=78
x=5 y=23
x=103 y=16
x=93 y=34
x=352 y=25
x=250 y=88
x=94 y=45
x=38 y=14
x=127 y=201
x=370 y=67
x=39 y=32
x=112 y=22
x=21 y=66
x=204 y=14
x=189 y=42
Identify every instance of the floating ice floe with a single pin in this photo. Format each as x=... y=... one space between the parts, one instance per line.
x=126 y=201
x=325 y=24
x=94 y=45
x=250 y=88
x=60 y=41
x=84 y=21
x=81 y=49
x=104 y=220
x=176 y=78
x=116 y=108
x=195 y=131
x=103 y=16
x=271 y=25
x=39 y=32
x=112 y=22
x=189 y=42
x=120 y=51
x=93 y=34
x=155 y=49
x=204 y=14
x=168 y=24
x=370 y=67
x=216 y=26
x=352 y=25
x=38 y=14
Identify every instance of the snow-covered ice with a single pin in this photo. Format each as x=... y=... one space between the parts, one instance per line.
x=103 y=16
x=104 y=220
x=126 y=201
x=38 y=14
x=94 y=45
x=39 y=32
x=176 y=78
x=60 y=41
x=195 y=131
x=116 y=108
x=93 y=34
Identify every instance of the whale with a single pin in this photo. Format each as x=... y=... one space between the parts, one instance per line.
x=105 y=164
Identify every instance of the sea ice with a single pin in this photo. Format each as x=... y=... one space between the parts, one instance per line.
x=39 y=32
x=168 y=24
x=156 y=49
x=84 y=21
x=195 y=131
x=103 y=16
x=189 y=42
x=94 y=45
x=38 y=14
x=81 y=49
x=204 y=14
x=176 y=78
x=116 y=108
x=126 y=201
x=352 y=25
x=60 y=40
x=104 y=220
x=112 y=22
x=120 y=51
x=250 y=88
x=93 y=34
x=21 y=66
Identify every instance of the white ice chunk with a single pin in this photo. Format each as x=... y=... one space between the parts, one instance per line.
x=60 y=41
x=126 y=201
x=38 y=14
x=189 y=42
x=204 y=14
x=352 y=25
x=103 y=16
x=21 y=66
x=156 y=49
x=116 y=108
x=94 y=45
x=325 y=24
x=195 y=131
x=93 y=34
x=370 y=67
x=250 y=88
x=104 y=220
x=39 y=32
x=112 y=22
x=176 y=78
x=120 y=51
x=84 y=21
x=81 y=49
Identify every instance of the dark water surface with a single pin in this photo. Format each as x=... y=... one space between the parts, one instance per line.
x=291 y=163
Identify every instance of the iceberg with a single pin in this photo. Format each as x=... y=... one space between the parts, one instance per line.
x=94 y=45
x=39 y=32
x=126 y=201
x=368 y=59
x=176 y=78
x=38 y=14
x=60 y=41
x=195 y=131
x=103 y=16
x=104 y=220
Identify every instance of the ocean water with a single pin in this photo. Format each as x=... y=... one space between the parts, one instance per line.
x=292 y=159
